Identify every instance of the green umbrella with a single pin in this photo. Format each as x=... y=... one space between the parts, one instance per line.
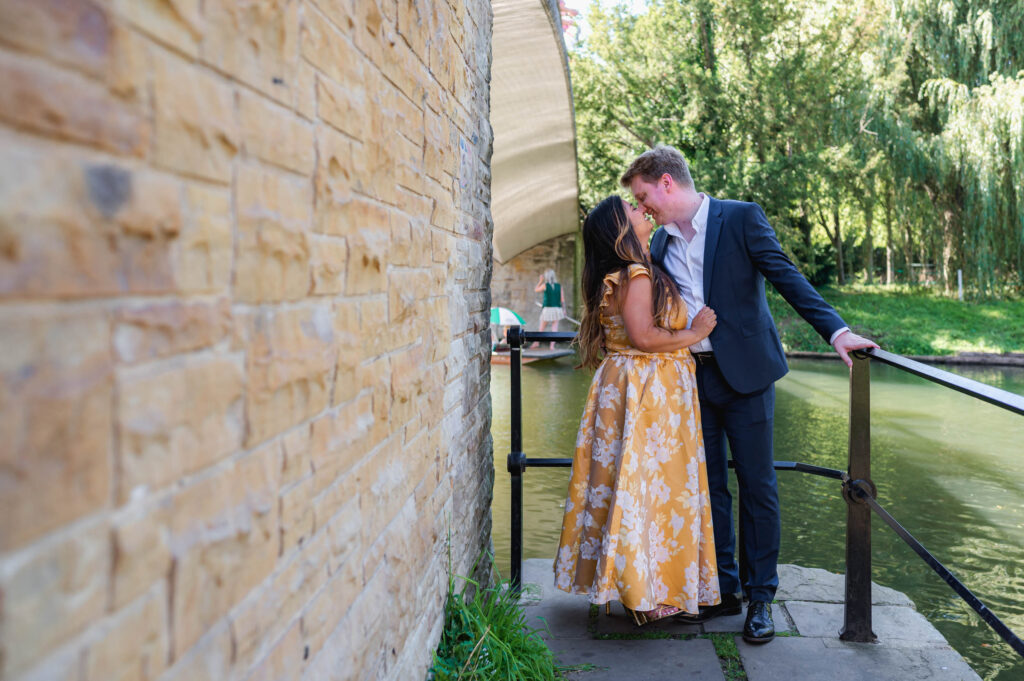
x=502 y=316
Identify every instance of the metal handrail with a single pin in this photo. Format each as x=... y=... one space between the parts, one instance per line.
x=858 y=490
x=986 y=393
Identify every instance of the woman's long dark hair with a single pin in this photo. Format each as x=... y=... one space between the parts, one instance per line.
x=610 y=245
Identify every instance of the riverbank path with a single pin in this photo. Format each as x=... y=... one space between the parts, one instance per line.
x=808 y=613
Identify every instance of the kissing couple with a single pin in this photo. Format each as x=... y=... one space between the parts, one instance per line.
x=686 y=356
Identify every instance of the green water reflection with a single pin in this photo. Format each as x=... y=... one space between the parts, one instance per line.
x=948 y=467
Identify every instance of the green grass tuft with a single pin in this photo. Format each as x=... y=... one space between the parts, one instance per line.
x=485 y=636
x=728 y=656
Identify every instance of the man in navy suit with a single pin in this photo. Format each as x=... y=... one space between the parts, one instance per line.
x=719 y=253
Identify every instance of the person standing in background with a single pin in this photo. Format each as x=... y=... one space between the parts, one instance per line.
x=553 y=306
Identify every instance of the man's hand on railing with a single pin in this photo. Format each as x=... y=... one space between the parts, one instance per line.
x=847 y=342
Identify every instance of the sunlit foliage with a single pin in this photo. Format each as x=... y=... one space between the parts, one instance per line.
x=884 y=138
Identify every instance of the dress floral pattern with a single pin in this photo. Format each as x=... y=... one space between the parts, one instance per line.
x=637 y=525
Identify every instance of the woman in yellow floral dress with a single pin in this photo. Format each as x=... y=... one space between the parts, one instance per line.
x=637 y=525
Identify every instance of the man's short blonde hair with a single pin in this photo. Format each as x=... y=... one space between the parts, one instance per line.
x=653 y=163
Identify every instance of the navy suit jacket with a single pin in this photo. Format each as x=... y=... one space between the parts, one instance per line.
x=740 y=252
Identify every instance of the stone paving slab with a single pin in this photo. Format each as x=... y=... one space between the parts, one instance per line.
x=812 y=584
x=794 y=657
x=632 y=660
x=560 y=616
x=892 y=624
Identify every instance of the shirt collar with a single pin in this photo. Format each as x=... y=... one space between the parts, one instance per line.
x=700 y=220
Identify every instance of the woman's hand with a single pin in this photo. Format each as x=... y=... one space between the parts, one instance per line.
x=704 y=322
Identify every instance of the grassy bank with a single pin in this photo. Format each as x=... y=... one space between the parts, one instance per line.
x=909 y=321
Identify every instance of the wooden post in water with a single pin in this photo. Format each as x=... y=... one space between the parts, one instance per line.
x=857 y=625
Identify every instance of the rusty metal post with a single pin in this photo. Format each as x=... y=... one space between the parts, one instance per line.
x=857 y=625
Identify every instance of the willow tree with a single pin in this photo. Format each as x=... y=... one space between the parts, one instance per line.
x=949 y=89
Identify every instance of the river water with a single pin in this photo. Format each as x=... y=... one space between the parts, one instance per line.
x=948 y=467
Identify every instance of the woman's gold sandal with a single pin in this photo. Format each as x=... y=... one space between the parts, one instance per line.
x=642 y=617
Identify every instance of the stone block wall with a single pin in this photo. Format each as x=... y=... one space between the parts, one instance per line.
x=244 y=282
x=513 y=282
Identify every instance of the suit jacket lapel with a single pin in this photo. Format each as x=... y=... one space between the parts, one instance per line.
x=714 y=230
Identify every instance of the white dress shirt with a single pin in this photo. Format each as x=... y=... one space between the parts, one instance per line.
x=684 y=262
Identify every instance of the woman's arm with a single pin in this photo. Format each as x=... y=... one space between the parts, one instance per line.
x=539 y=287
x=645 y=335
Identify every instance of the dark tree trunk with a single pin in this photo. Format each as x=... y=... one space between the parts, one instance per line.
x=888 y=236
x=841 y=274
x=869 y=218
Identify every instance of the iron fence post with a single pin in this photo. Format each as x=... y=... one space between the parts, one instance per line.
x=516 y=456
x=857 y=624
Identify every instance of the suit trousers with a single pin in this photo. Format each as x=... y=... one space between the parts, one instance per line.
x=744 y=421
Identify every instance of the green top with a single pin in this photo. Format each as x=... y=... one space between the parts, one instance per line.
x=552 y=295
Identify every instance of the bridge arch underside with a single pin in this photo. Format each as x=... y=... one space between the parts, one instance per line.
x=534 y=195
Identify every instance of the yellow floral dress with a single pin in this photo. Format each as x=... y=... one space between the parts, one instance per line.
x=637 y=525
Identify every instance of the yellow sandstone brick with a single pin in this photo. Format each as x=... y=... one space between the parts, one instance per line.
x=295 y=448
x=348 y=331
x=297 y=520
x=224 y=539
x=52 y=591
x=413 y=16
x=177 y=419
x=201 y=257
x=196 y=131
x=371 y=36
x=268 y=609
x=328 y=261
x=64 y=105
x=290 y=355
x=275 y=135
x=177 y=23
x=56 y=393
x=76 y=33
x=339 y=440
x=331 y=605
x=333 y=183
x=367 y=260
x=134 y=642
x=142 y=552
x=255 y=42
x=154 y=330
x=326 y=48
x=274 y=212
x=130 y=66
x=304 y=94
x=406 y=292
x=209 y=660
x=284 y=661
x=344 y=107
x=407 y=385
x=407 y=71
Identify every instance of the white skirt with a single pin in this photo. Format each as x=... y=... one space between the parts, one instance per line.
x=551 y=314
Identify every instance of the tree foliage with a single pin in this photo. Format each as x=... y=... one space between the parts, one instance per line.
x=881 y=127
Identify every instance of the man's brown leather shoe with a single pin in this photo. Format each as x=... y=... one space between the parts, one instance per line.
x=731 y=604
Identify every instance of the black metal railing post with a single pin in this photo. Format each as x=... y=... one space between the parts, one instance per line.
x=516 y=458
x=857 y=624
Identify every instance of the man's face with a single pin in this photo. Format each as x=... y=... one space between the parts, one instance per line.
x=651 y=197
